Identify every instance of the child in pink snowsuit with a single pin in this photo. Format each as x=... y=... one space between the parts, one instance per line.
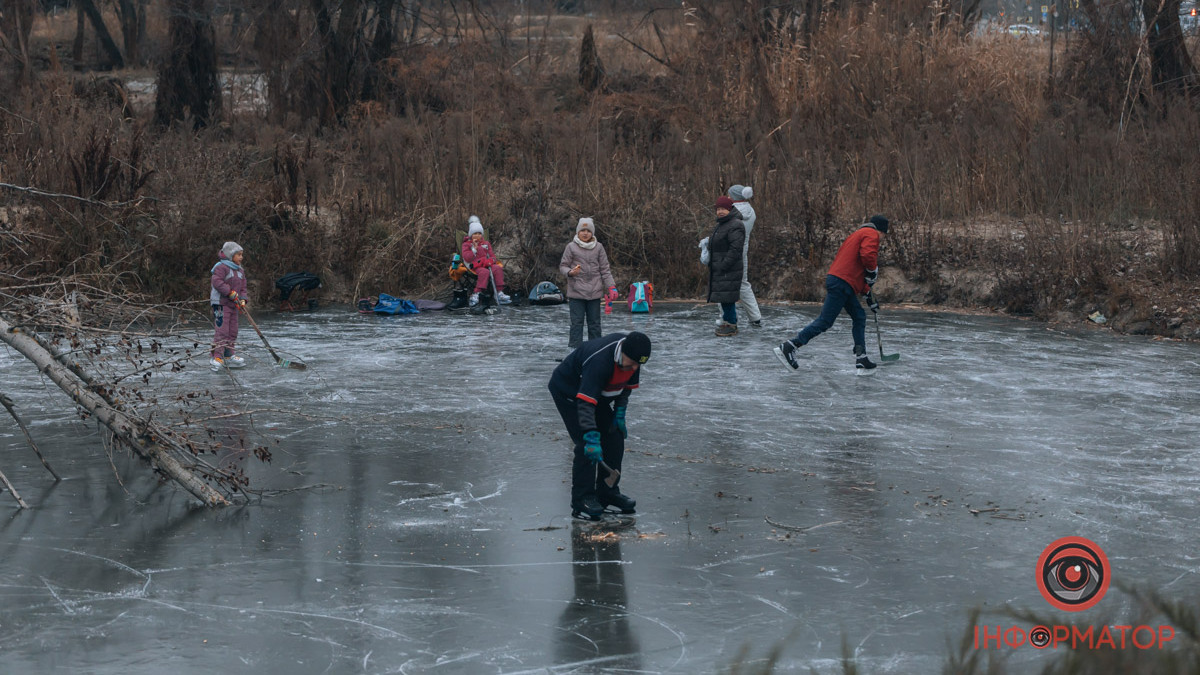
x=227 y=296
x=477 y=252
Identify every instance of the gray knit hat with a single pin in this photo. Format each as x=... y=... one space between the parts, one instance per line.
x=473 y=226
x=230 y=249
x=586 y=224
x=741 y=193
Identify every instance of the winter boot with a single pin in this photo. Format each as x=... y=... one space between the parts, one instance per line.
x=474 y=299
x=502 y=298
x=786 y=353
x=217 y=363
x=235 y=361
x=459 y=301
x=726 y=329
x=615 y=499
x=587 y=508
x=757 y=323
x=861 y=363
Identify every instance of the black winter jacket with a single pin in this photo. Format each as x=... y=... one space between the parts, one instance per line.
x=725 y=258
x=585 y=377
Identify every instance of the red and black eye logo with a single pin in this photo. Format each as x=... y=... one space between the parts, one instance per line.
x=1073 y=574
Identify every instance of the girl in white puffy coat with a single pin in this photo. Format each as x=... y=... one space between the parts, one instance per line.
x=741 y=194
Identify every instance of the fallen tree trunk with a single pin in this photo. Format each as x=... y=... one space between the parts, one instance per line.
x=125 y=428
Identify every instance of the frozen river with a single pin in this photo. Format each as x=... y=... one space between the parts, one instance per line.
x=442 y=541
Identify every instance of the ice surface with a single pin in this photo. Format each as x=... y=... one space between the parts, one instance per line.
x=442 y=541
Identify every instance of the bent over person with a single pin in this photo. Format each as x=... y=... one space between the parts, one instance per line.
x=591 y=390
x=854 y=271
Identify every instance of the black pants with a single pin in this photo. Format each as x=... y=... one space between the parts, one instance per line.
x=581 y=309
x=588 y=478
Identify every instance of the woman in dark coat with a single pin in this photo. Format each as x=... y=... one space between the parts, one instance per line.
x=725 y=264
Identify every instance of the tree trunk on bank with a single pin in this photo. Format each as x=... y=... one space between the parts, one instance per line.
x=381 y=48
x=187 y=82
x=1171 y=70
x=131 y=30
x=341 y=71
x=88 y=7
x=77 y=43
x=125 y=429
x=16 y=22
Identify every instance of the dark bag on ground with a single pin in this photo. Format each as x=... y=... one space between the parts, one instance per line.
x=297 y=281
x=546 y=293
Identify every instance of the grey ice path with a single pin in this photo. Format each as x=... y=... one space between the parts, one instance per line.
x=447 y=457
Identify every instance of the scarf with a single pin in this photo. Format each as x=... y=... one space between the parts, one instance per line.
x=227 y=263
x=588 y=246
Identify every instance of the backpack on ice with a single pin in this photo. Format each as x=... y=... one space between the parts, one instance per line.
x=303 y=282
x=546 y=293
x=641 y=297
x=389 y=305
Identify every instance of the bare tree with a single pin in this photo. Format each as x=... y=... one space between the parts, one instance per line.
x=321 y=57
x=89 y=9
x=132 y=17
x=1171 y=69
x=16 y=23
x=187 y=84
x=340 y=28
x=100 y=348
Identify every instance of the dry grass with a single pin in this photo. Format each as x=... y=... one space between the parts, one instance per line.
x=937 y=130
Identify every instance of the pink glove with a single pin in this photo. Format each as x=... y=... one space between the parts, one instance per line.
x=613 y=294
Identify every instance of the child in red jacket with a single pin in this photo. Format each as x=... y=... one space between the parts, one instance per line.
x=477 y=252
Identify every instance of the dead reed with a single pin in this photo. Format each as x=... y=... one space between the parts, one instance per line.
x=874 y=112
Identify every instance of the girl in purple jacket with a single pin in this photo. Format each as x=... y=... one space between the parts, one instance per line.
x=227 y=296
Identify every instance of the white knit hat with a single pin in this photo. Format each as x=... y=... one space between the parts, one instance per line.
x=473 y=226
x=585 y=224
x=230 y=249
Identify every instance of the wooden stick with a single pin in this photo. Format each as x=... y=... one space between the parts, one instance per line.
x=13 y=490
x=793 y=528
x=8 y=404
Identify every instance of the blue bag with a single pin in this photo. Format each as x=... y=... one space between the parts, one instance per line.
x=389 y=305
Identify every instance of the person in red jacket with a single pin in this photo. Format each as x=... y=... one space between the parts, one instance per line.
x=853 y=272
x=477 y=252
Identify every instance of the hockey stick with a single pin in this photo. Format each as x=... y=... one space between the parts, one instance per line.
x=283 y=363
x=495 y=293
x=883 y=358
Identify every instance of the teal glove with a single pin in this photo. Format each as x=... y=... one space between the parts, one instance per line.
x=619 y=421
x=591 y=446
